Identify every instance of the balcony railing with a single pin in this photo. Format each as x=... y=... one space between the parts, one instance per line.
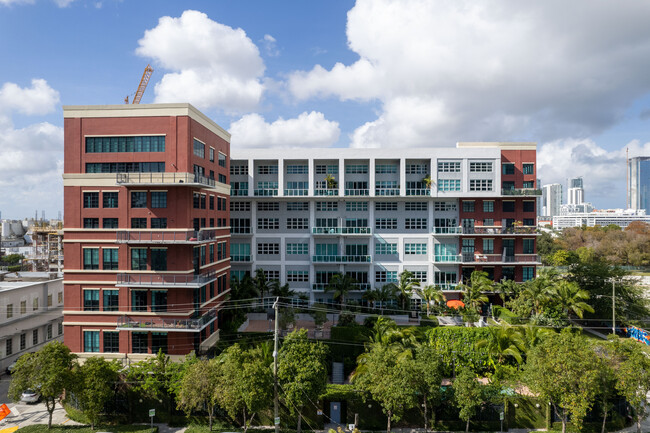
x=149 y=323
x=165 y=236
x=326 y=191
x=447 y=286
x=357 y=286
x=341 y=230
x=499 y=230
x=239 y=192
x=521 y=191
x=500 y=258
x=446 y=258
x=418 y=192
x=240 y=258
x=266 y=192
x=165 y=280
x=357 y=192
x=385 y=191
x=157 y=178
x=341 y=259
x=295 y=192
x=240 y=230
x=447 y=230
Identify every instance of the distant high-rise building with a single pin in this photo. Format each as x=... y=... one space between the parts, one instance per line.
x=551 y=199
x=576 y=193
x=638 y=191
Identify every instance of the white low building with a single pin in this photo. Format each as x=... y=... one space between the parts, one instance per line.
x=619 y=217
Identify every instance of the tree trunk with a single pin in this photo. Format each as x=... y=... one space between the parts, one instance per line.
x=638 y=421
x=390 y=414
x=564 y=420
x=426 y=417
x=299 y=429
x=602 y=430
x=467 y=426
x=244 y=414
x=211 y=413
x=50 y=411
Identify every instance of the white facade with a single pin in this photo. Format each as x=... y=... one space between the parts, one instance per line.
x=569 y=209
x=551 y=199
x=619 y=217
x=576 y=192
x=31 y=315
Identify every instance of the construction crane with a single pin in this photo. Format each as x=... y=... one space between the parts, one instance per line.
x=141 y=88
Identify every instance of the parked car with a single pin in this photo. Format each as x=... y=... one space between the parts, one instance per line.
x=10 y=368
x=30 y=396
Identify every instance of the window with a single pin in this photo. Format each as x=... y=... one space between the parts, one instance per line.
x=529 y=246
x=110 y=199
x=140 y=342
x=415 y=223
x=268 y=223
x=385 y=168
x=449 y=185
x=356 y=250
x=507 y=168
x=416 y=206
x=488 y=221
x=158 y=199
x=326 y=222
x=138 y=300
x=49 y=331
x=383 y=185
x=222 y=178
x=34 y=337
x=91 y=300
x=529 y=221
x=60 y=330
x=293 y=206
x=301 y=248
x=111 y=300
x=60 y=297
x=415 y=249
x=91 y=341
x=386 y=206
x=159 y=300
x=138 y=199
x=91 y=258
x=236 y=170
x=110 y=223
x=111 y=342
x=327 y=249
x=125 y=167
x=327 y=206
x=125 y=144
x=23 y=341
x=211 y=154
x=468 y=246
x=385 y=276
x=8 y=346
x=268 y=248
x=35 y=304
x=449 y=166
x=203 y=255
x=139 y=259
x=240 y=206
x=268 y=206
x=529 y=206
x=416 y=169
x=508 y=206
x=356 y=169
x=267 y=169
x=297 y=169
x=356 y=206
x=488 y=206
x=199 y=149
x=420 y=276
x=239 y=188
x=91 y=223
x=444 y=206
x=480 y=167
x=222 y=160
x=488 y=246
x=10 y=311
x=297 y=223
x=49 y=299
x=468 y=206
x=528 y=168
x=110 y=261
x=528 y=184
x=327 y=169
x=298 y=276
x=158 y=259
x=386 y=223
x=91 y=200
x=158 y=342
x=293 y=185
x=272 y=275
x=138 y=223
x=240 y=225
x=528 y=273
x=480 y=184
x=158 y=223
x=23 y=307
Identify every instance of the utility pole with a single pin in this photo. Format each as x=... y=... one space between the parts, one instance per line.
x=276 y=416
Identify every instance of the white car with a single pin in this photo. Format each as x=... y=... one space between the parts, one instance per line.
x=30 y=396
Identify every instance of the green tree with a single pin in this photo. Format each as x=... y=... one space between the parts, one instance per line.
x=562 y=370
x=331 y=182
x=12 y=259
x=404 y=287
x=428 y=377
x=200 y=388
x=546 y=247
x=263 y=285
x=606 y=360
x=381 y=295
x=341 y=285
x=505 y=342
x=468 y=395
x=473 y=294
x=633 y=377
x=282 y=291
x=430 y=294
x=95 y=382
x=48 y=371
x=302 y=373
x=427 y=181
x=570 y=298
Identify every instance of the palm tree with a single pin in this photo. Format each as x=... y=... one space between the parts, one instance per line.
x=381 y=295
x=262 y=284
x=331 y=182
x=504 y=341
x=281 y=291
x=570 y=297
x=473 y=293
x=430 y=294
x=405 y=286
x=340 y=284
x=540 y=289
x=242 y=289
x=507 y=289
x=427 y=181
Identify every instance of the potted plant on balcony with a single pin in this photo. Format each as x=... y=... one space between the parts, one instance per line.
x=426 y=180
x=331 y=182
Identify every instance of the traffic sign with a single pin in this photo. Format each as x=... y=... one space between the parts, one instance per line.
x=152 y=412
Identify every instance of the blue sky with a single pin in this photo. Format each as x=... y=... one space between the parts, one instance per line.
x=367 y=73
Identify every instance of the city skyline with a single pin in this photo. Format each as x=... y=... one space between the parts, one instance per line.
x=335 y=74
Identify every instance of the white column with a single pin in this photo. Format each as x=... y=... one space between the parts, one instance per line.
x=311 y=168
x=341 y=177
x=251 y=177
x=371 y=176
x=281 y=185
x=402 y=177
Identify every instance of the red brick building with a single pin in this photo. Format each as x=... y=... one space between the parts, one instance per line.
x=146 y=190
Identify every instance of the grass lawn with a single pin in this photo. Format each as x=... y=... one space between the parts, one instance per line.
x=42 y=428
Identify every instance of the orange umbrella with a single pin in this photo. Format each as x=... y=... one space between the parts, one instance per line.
x=455 y=303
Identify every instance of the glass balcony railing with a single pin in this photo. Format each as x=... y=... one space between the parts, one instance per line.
x=386 y=191
x=358 y=286
x=326 y=192
x=175 y=178
x=447 y=230
x=153 y=323
x=447 y=258
x=521 y=191
x=418 y=192
x=448 y=286
x=357 y=192
x=499 y=230
x=295 y=192
x=240 y=258
x=165 y=280
x=165 y=236
x=341 y=230
x=239 y=192
x=500 y=258
x=341 y=259
x=266 y=192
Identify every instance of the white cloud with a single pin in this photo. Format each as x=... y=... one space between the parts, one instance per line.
x=491 y=70
x=270 y=46
x=307 y=130
x=38 y=99
x=63 y=3
x=215 y=65
x=15 y=2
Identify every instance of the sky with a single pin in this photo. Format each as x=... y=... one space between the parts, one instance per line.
x=571 y=76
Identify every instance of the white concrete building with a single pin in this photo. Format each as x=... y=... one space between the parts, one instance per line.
x=31 y=314
x=576 y=192
x=551 y=199
x=619 y=217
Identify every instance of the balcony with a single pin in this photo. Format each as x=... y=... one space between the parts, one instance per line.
x=266 y=192
x=165 y=179
x=341 y=259
x=165 y=280
x=385 y=191
x=357 y=192
x=447 y=258
x=149 y=323
x=499 y=230
x=239 y=192
x=448 y=287
x=165 y=236
x=320 y=287
x=239 y=258
x=531 y=259
x=341 y=230
x=447 y=231
x=418 y=192
x=295 y=192
x=521 y=191
x=326 y=192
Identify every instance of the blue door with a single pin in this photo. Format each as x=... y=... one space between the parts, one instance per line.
x=335 y=412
